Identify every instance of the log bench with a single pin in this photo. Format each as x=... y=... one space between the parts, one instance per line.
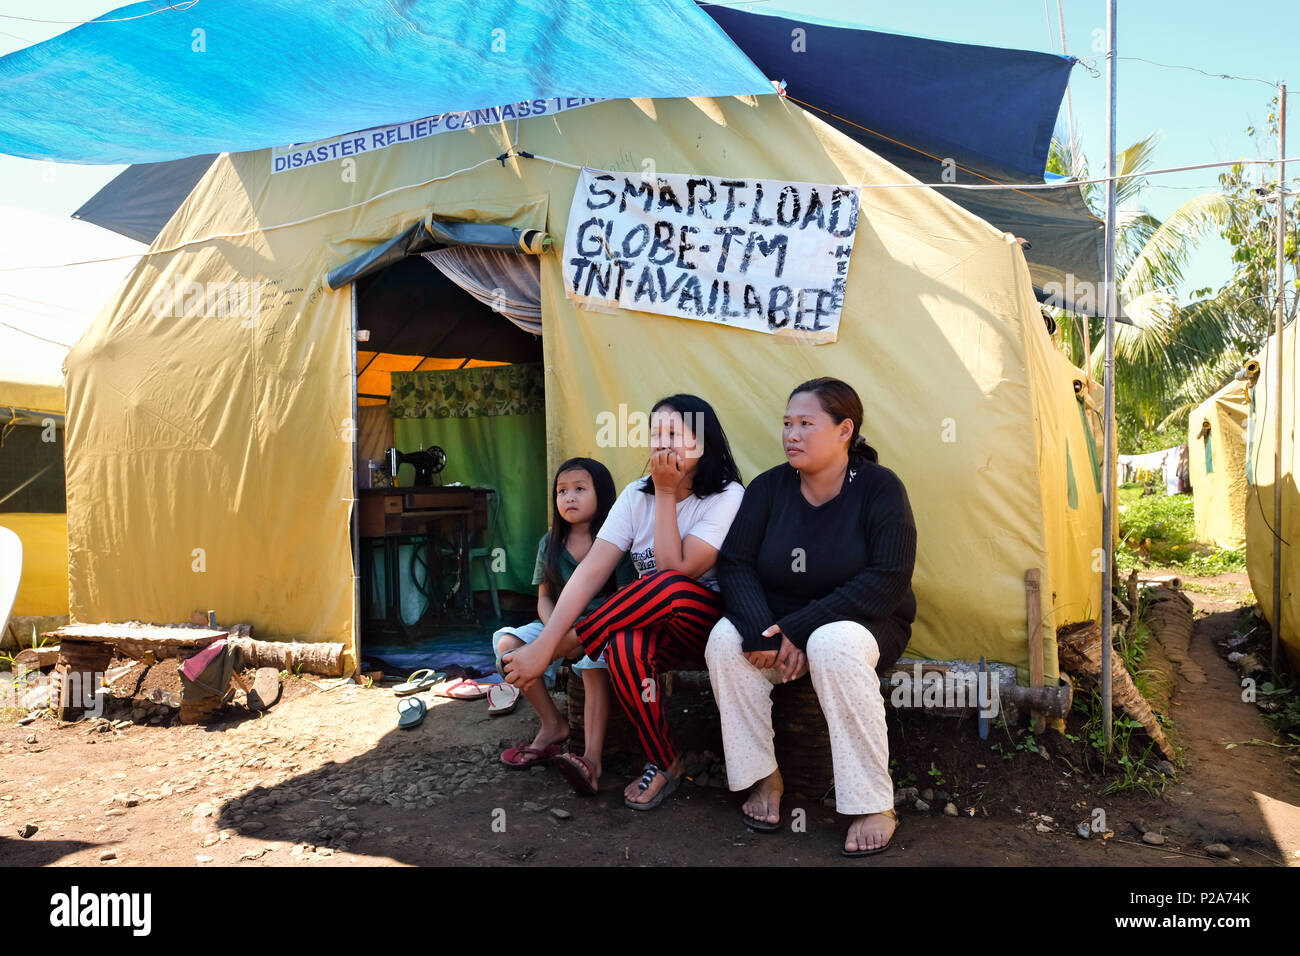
x=86 y=649
x=803 y=749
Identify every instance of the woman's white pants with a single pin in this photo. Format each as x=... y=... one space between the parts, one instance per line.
x=842 y=659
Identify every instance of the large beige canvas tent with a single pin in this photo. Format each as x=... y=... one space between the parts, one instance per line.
x=210 y=459
x=1216 y=442
x=1262 y=476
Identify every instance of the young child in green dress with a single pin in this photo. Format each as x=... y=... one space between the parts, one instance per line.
x=582 y=494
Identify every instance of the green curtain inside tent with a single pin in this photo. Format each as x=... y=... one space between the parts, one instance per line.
x=491 y=422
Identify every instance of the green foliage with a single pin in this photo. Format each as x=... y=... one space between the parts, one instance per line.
x=1178 y=354
x=1142 y=441
x=1159 y=531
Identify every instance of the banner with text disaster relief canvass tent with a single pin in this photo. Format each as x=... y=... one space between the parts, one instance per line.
x=1216 y=461
x=210 y=456
x=1261 y=480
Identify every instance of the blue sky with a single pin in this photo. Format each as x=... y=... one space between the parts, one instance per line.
x=1201 y=119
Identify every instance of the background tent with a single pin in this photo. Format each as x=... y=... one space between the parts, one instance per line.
x=44 y=308
x=209 y=462
x=1216 y=440
x=1261 y=476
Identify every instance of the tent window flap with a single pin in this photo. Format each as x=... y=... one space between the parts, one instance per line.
x=433 y=234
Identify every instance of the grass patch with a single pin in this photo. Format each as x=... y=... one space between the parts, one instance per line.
x=1158 y=531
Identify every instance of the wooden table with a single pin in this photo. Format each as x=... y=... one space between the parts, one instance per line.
x=390 y=517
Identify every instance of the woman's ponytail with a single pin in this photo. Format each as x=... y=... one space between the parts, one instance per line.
x=860 y=449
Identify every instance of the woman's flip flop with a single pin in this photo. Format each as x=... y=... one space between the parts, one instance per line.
x=460 y=689
x=502 y=698
x=412 y=711
x=420 y=680
x=579 y=771
x=893 y=815
x=525 y=756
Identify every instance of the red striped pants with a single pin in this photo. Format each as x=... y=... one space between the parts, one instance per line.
x=656 y=623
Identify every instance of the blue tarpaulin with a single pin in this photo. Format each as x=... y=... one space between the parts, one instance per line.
x=944 y=112
x=235 y=75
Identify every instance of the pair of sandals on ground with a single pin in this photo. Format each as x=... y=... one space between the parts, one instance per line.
x=411 y=709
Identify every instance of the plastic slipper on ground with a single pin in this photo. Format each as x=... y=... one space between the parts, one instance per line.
x=420 y=680
x=502 y=698
x=643 y=784
x=460 y=689
x=412 y=711
x=525 y=756
x=760 y=826
x=893 y=815
x=579 y=772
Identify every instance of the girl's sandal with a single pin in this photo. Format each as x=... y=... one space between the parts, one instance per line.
x=893 y=815
x=643 y=785
x=579 y=772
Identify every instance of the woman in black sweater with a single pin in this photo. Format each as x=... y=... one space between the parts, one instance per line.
x=816 y=578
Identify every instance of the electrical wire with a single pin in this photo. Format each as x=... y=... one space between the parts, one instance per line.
x=1197 y=69
x=34 y=335
x=263 y=229
x=170 y=8
x=512 y=154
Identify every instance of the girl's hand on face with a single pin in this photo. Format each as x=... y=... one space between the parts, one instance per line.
x=667 y=470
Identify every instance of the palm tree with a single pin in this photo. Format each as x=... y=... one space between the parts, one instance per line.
x=1171 y=355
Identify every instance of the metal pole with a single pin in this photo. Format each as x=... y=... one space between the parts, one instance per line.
x=1112 y=300
x=355 y=510
x=1277 y=375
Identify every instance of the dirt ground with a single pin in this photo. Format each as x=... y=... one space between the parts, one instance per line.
x=325 y=779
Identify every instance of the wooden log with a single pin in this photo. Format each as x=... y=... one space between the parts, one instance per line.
x=1169 y=615
x=1080 y=647
x=1034 y=630
x=77 y=676
x=324 y=660
x=36 y=659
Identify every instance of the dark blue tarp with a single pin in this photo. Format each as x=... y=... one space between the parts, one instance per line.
x=918 y=102
x=236 y=75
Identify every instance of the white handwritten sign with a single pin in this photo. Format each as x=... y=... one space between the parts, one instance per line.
x=758 y=254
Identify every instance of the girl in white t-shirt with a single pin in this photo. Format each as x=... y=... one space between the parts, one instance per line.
x=672 y=523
